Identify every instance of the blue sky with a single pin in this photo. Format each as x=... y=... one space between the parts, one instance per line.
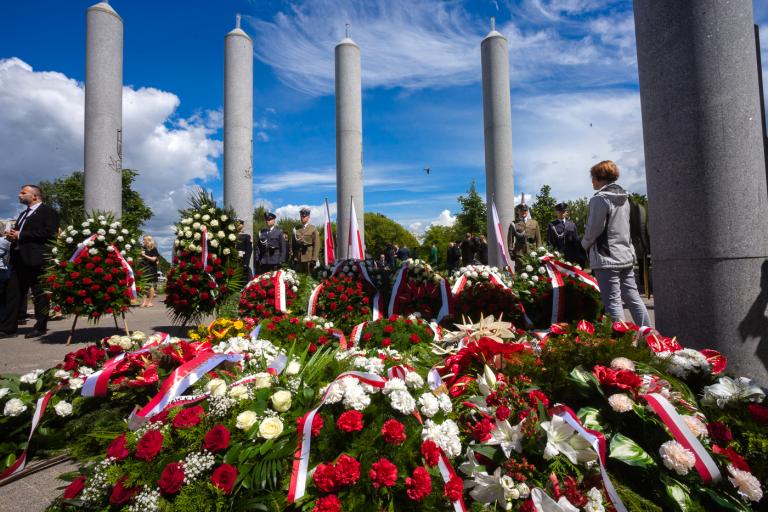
x=573 y=77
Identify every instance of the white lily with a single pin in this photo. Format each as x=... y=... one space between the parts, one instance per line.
x=729 y=390
x=496 y=487
x=487 y=381
x=471 y=467
x=562 y=438
x=544 y=503
x=507 y=436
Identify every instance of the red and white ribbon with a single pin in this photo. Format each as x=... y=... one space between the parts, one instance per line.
x=204 y=245
x=400 y=280
x=597 y=442
x=329 y=254
x=355 y=247
x=82 y=246
x=378 y=299
x=131 y=278
x=459 y=285
x=357 y=334
x=558 y=300
x=178 y=382
x=297 y=486
x=40 y=407
x=313 y=298
x=445 y=296
x=705 y=465
x=447 y=472
x=278 y=282
x=570 y=270
x=499 y=236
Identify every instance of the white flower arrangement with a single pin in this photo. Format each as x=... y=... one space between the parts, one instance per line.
x=31 y=377
x=480 y=273
x=63 y=408
x=728 y=390
x=685 y=362
x=14 y=407
x=677 y=457
x=197 y=463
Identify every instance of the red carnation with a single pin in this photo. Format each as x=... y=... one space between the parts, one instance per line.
x=224 y=477
x=385 y=342
x=75 y=488
x=431 y=452
x=420 y=485
x=117 y=449
x=172 y=478
x=317 y=424
x=188 y=417
x=122 y=494
x=454 y=488
x=325 y=477
x=393 y=432
x=759 y=412
x=719 y=432
x=503 y=413
x=388 y=329
x=536 y=396
x=347 y=471
x=350 y=421
x=383 y=473
x=481 y=431
x=328 y=503
x=149 y=445
x=414 y=338
x=217 y=439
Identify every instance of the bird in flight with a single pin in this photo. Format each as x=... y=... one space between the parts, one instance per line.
x=427 y=170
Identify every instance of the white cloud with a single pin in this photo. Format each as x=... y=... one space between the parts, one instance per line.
x=316 y=212
x=444 y=219
x=432 y=43
x=41 y=138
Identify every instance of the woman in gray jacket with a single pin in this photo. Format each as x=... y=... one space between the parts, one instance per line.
x=608 y=242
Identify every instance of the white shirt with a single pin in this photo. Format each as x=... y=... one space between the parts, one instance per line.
x=32 y=210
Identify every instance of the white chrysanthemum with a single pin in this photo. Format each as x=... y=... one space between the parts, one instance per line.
x=394 y=384
x=334 y=393
x=677 y=457
x=356 y=398
x=620 y=402
x=63 y=408
x=402 y=401
x=445 y=435
x=374 y=365
x=413 y=380
x=684 y=362
x=429 y=405
x=746 y=483
x=14 y=407
x=696 y=426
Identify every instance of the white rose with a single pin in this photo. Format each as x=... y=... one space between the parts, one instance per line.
x=75 y=383
x=206 y=217
x=85 y=224
x=238 y=392
x=69 y=240
x=232 y=237
x=84 y=370
x=216 y=387
x=214 y=243
x=528 y=268
x=63 y=408
x=262 y=380
x=221 y=234
x=196 y=236
x=60 y=374
x=270 y=428
x=246 y=420
x=31 y=377
x=226 y=251
x=214 y=223
x=86 y=232
x=224 y=218
x=120 y=239
x=138 y=336
x=281 y=401
x=4 y=391
x=523 y=276
x=533 y=254
x=124 y=231
x=196 y=216
x=110 y=249
x=535 y=279
x=14 y=407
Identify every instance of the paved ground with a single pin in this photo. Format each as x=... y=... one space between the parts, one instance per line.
x=19 y=355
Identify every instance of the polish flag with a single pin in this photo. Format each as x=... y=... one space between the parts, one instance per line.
x=500 y=236
x=329 y=255
x=355 y=248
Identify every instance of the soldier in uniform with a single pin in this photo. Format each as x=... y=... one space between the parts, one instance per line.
x=244 y=249
x=271 y=248
x=305 y=245
x=523 y=235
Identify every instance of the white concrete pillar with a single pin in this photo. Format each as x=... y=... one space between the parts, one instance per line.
x=103 y=109
x=349 y=141
x=497 y=124
x=238 y=124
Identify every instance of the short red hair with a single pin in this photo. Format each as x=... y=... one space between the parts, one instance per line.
x=606 y=170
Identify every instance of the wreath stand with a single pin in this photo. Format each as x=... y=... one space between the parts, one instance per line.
x=114 y=317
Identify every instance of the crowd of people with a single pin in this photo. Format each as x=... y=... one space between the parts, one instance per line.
x=607 y=246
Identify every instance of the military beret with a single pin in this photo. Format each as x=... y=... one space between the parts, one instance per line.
x=269 y=216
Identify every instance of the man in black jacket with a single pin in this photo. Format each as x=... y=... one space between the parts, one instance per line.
x=30 y=240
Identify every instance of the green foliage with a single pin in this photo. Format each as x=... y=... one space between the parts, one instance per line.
x=441 y=236
x=578 y=211
x=67 y=195
x=381 y=230
x=543 y=210
x=473 y=214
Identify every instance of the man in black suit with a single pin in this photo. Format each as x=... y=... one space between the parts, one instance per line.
x=30 y=237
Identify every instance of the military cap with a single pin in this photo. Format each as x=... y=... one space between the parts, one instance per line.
x=269 y=216
x=304 y=211
x=561 y=207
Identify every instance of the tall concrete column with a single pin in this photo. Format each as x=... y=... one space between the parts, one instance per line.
x=349 y=141
x=497 y=125
x=103 y=109
x=238 y=124
x=706 y=176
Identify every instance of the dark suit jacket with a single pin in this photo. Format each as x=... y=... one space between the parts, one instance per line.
x=40 y=228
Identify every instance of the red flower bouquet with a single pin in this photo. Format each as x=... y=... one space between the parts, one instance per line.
x=269 y=294
x=344 y=300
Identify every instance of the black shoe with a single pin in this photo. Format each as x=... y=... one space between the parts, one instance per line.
x=35 y=333
x=7 y=334
x=22 y=321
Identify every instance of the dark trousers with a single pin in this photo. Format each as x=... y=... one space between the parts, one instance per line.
x=23 y=279
x=268 y=267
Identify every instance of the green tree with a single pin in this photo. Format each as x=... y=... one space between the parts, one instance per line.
x=472 y=217
x=381 y=230
x=67 y=195
x=578 y=210
x=543 y=210
x=441 y=236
